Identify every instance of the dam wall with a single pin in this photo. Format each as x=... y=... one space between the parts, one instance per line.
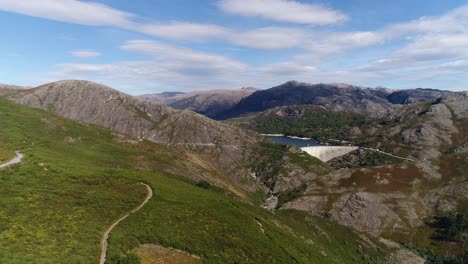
x=326 y=153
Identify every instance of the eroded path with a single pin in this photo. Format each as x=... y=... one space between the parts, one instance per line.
x=105 y=237
x=14 y=161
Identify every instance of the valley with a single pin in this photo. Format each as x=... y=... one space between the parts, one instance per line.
x=73 y=174
x=233 y=132
x=385 y=178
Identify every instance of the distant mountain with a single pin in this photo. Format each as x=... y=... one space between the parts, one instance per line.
x=415 y=95
x=341 y=97
x=161 y=98
x=374 y=102
x=209 y=103
x=7 y=89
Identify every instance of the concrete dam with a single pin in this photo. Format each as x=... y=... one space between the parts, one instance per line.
x=326 y=153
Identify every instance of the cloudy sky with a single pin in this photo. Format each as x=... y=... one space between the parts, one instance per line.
x=145 y=46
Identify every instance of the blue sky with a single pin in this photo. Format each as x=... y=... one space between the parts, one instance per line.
x=144 y=46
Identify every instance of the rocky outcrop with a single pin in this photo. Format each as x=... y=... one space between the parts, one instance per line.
x=365 y=212
x=404 y=256
x=458 y=103
x=430 y=132
x=314 y=204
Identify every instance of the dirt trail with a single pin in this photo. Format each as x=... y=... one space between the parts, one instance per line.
x=14 y=161
x=105 y=237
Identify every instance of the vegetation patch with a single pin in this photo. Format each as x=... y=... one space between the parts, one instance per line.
x=383 y=179
x=304 y=121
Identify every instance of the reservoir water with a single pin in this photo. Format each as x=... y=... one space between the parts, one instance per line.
x=299 y=142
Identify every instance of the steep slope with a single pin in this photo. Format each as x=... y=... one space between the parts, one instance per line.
x=209 y=103
x=96 y=104
x=75 y=180
x=228 y=150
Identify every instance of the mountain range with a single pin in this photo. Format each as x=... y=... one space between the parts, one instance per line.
x=337 y=97
x=405 y=183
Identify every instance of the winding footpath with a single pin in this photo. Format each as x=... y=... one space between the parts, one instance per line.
x=105 y=237
x=19 y=157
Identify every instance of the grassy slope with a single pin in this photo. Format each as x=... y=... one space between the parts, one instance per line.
x=55 y=205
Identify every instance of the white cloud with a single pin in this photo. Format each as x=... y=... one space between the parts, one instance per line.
x=70 y=11
x=454 y=65
x=283 y=10
x=167 y=66
x=288 y=69
x=85 y=54
x=430 y=40
x=271 y=38
x=185 y=60
x=320 y=43
x=423 y=51
x=184 y=31
x=95 y=14
x=177 y=68
x=432 y=45
x=454 y=21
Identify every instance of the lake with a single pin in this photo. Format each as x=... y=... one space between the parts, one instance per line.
x=293 y=141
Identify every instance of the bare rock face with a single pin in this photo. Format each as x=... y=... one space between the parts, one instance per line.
x=404 y=256
x=425 y=130
x=314 y=204
x=364 y=212
x=446 y=199
x=458 y=102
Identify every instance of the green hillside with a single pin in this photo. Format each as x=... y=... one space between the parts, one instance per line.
x=75 y=180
